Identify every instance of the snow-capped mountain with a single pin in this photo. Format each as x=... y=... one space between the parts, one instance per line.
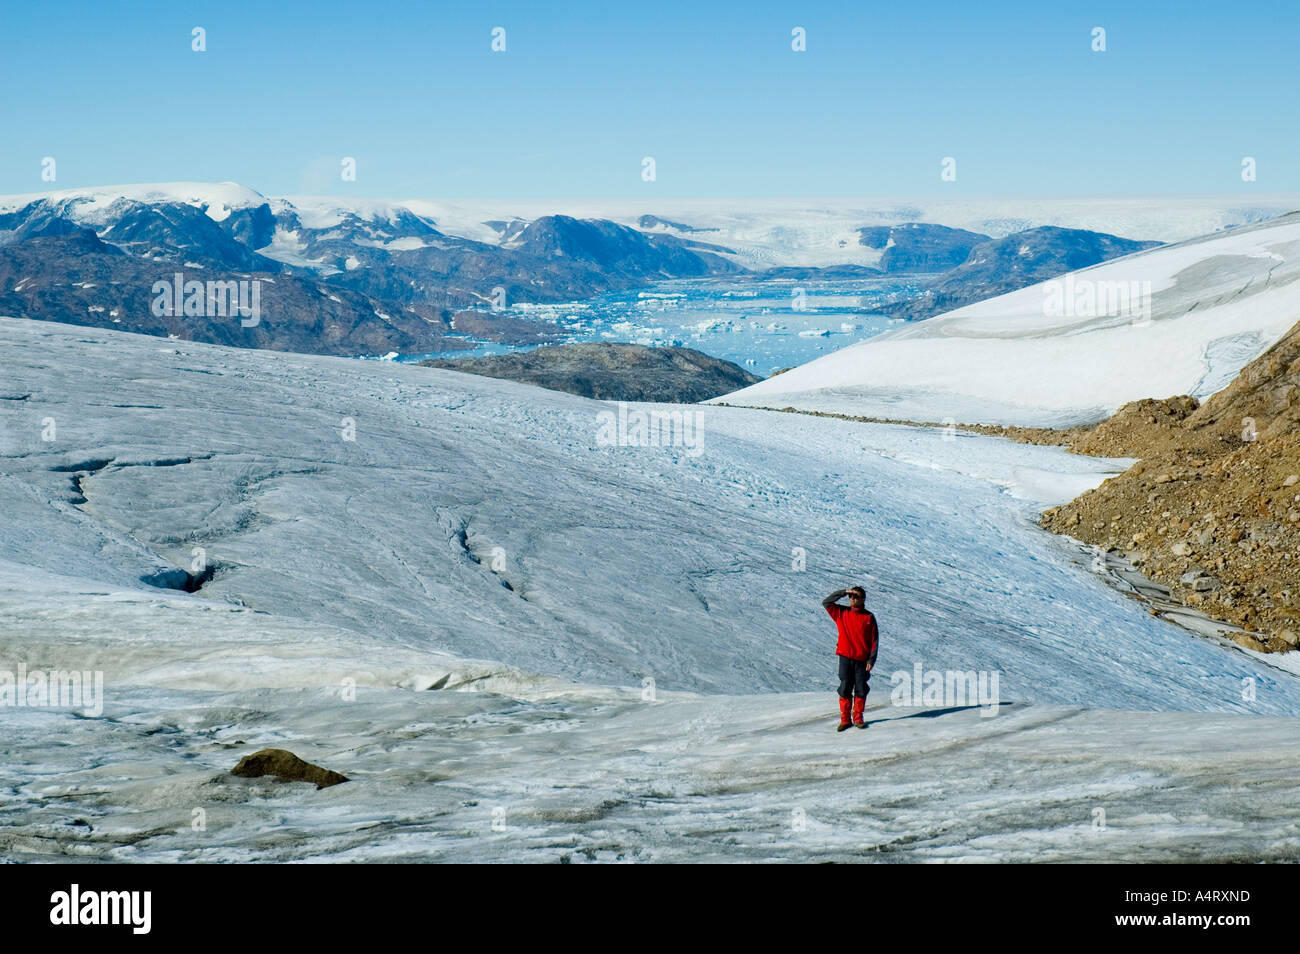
x=816 y=233
x=353 y=276
x=1180 y=319
x=367 y=279
x=998 y=266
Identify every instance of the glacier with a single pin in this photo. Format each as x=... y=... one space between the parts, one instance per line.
x=521 y=643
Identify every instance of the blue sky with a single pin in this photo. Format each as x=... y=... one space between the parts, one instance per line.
x=584 y=91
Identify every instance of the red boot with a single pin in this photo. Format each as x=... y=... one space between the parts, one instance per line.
x=844 y=715
x=858 y=704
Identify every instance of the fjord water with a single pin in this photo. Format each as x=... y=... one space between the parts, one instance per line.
x=763 y=326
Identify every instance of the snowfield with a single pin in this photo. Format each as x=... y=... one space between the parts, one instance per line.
x=523 y=643
x=1073 y=350
x=88 y=206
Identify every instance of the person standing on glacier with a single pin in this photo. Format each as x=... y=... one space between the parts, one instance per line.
x=856 y=648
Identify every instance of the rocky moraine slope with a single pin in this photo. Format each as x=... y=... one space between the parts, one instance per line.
x=614 y=372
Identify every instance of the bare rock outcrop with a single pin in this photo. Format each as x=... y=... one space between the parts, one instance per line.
x=1212 y=507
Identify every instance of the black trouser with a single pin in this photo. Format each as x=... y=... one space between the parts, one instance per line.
x=853 y=678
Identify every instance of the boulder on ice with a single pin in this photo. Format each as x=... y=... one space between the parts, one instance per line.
x=287 y=767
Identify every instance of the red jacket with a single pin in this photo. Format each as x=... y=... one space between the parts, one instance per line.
x=858 y=636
